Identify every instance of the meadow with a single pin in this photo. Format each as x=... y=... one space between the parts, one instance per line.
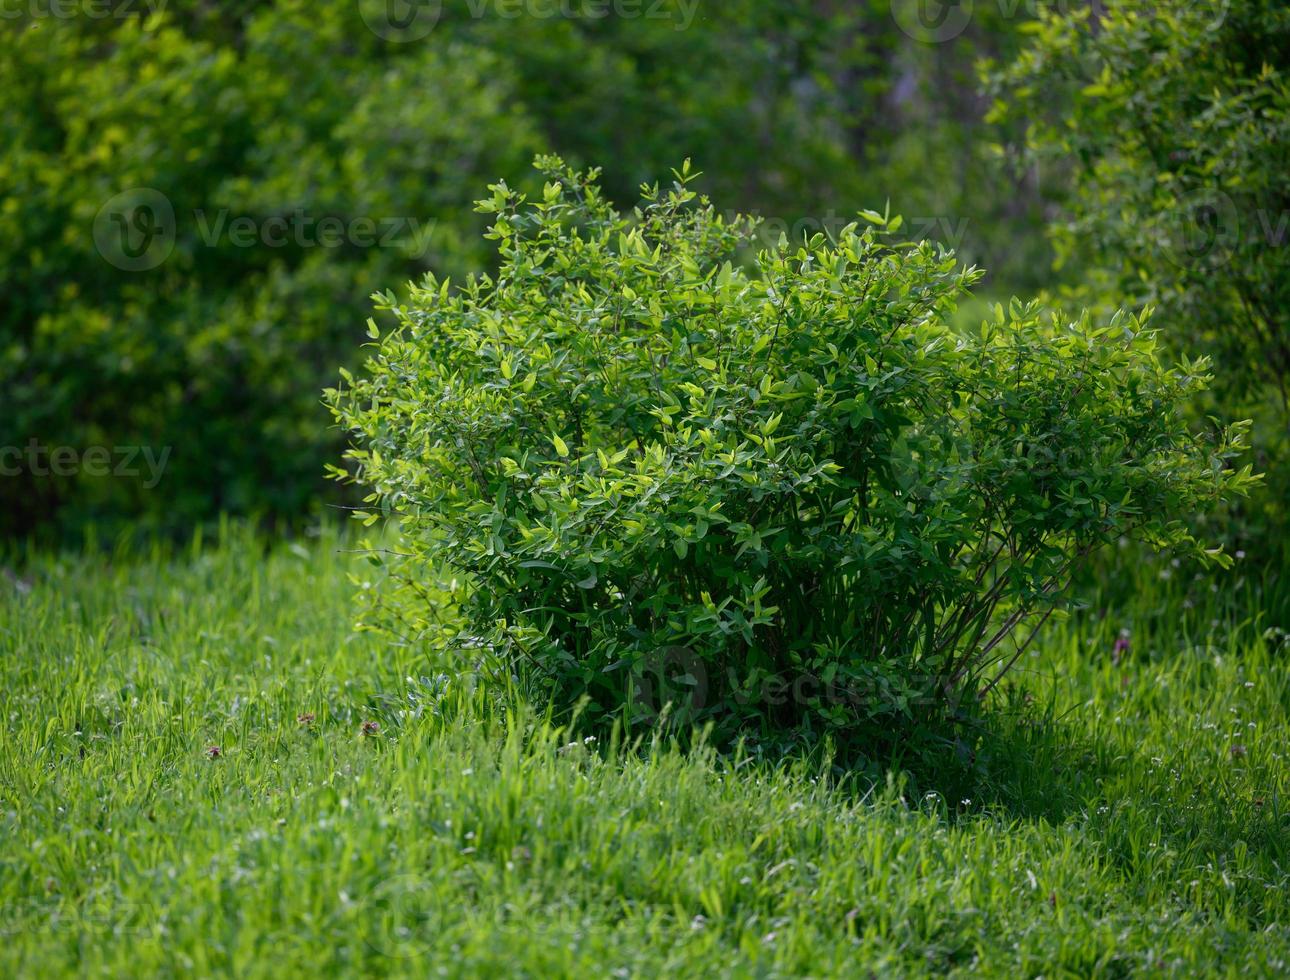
x=826 y=464
x=206 y=769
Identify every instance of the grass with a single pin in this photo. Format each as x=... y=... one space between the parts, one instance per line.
x=1134 y=818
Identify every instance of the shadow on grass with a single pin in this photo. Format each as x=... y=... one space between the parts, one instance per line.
x=1018 y=763
x=1163 y=824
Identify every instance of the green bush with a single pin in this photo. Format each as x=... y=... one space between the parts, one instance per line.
x=788 y=494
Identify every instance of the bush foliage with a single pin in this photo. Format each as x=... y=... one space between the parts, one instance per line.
x=782 y=491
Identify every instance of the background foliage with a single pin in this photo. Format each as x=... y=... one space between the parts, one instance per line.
x=285 y=111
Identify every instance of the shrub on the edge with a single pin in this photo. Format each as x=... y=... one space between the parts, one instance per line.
x=778 y=493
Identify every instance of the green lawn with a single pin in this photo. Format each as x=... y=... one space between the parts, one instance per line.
x=1134 y=818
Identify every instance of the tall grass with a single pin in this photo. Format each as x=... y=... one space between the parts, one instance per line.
x=1126 y=811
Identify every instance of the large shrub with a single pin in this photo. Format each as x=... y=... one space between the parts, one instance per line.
x=784 y=492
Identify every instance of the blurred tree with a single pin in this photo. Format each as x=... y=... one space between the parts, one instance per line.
x=1176 y=119
x=191 y=230
x=196 y=204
